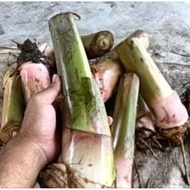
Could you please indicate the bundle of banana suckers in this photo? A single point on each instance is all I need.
(93, 71)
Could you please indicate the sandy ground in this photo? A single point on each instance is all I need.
(168, 26)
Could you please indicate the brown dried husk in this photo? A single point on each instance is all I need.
(59, 175)
(9, 131)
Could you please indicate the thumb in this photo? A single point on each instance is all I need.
(49, 94)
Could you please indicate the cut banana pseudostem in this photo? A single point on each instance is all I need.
(86, 158)
(13, 106)
(97, 44)
(162, 101)
(123, 128)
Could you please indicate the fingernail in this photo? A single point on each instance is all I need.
(54, 78)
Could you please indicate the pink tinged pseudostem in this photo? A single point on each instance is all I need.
(107, 74)
(124, 175)
(35, 77)
(169, 112)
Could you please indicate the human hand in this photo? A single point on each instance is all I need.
(39, 123)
